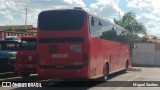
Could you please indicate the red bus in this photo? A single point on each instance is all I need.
(73, 43)
(27, 57)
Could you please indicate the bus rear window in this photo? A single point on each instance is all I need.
(61, 20)
(28, 45)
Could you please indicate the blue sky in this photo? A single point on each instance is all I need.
(12, 12)
(88, 2)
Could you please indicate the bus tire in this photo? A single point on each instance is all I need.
(104, 78)
(25, 75)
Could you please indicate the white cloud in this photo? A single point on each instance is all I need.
(154, 31)
(138, 4)
(76, 2)
(17, 7)
(2, 5)
(146, 17)
(106, 8)
(7, 15)
(148, 13)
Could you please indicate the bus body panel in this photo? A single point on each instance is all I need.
(63, 57)
(23, 63)
(26, 59)
(63, 73)
(106, 51)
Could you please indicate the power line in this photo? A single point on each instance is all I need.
(18, 12)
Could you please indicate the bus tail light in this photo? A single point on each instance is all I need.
(85, 59)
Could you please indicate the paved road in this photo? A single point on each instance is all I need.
(146, 74)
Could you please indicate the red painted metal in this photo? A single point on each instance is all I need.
(23, 62)
(99, 51)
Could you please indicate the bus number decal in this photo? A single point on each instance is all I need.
(59, 55)
(76, 48)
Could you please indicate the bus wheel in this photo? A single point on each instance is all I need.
(104, 78)
(25, 75)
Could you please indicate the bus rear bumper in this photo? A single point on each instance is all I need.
(63, 73)
(31, 68)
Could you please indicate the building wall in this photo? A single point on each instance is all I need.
(157, 57)
(4, 34)
(146, 54)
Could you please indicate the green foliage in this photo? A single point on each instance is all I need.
(23, 31)
(136, 38)
(10, 30)
(19, 30)
(144, 39)
(109, 35)
(129, 22)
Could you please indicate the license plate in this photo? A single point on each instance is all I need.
(29, 65)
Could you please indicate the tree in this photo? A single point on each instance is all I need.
(144, 39)
(129, 22)
(10, 30)
(136, 38)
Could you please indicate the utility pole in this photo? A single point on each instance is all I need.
(26, 19)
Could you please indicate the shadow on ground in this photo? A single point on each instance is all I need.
(78, 85)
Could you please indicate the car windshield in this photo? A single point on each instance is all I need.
(28, 44)
(7, 45)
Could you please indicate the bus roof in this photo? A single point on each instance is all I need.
(81, 9)
(2, 41)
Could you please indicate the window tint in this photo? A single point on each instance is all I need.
(105, 30)
(96, 28)
(28, 45)
(5, 45)
(61, 20)
(109, 35)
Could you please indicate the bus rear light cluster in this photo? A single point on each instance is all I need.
(85, 59)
